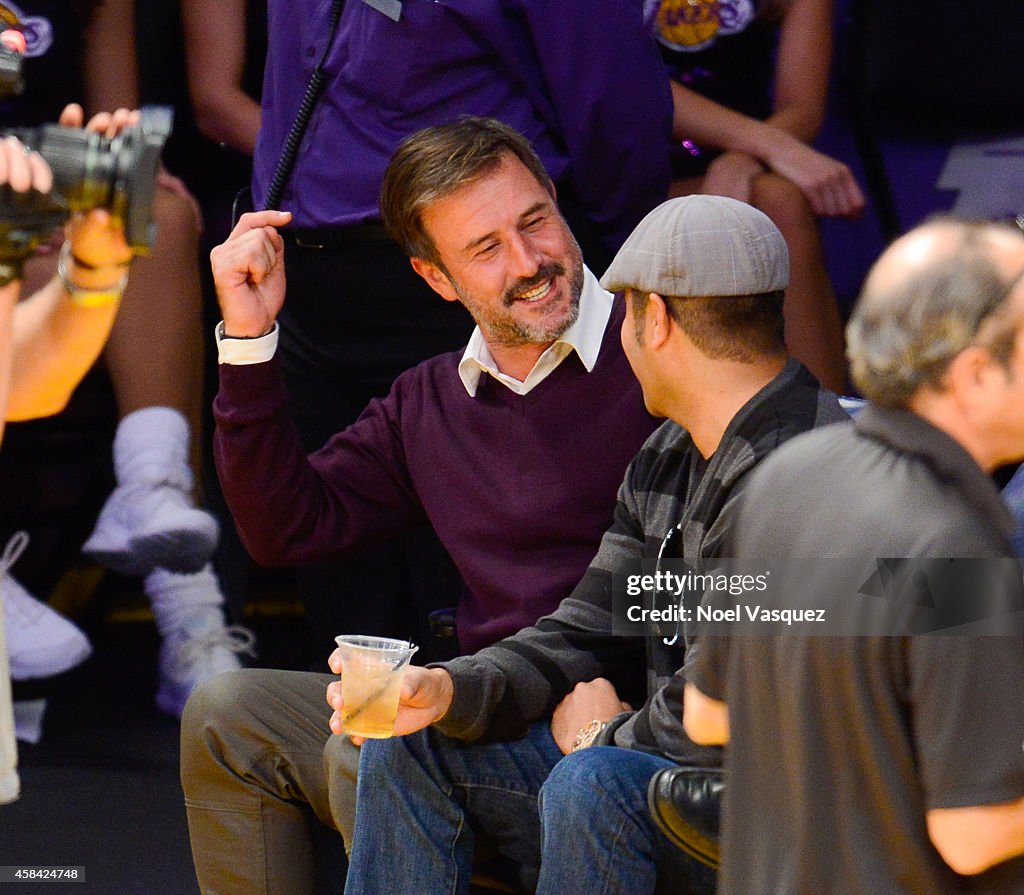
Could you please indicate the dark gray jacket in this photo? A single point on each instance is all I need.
(502, 689)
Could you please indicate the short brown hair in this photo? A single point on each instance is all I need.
(744, 328)
(437, 161)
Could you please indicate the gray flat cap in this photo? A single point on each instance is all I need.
(702, 246)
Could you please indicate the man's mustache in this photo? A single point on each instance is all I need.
(546, 272)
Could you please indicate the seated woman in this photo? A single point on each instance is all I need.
(150, 526)
(740, 138)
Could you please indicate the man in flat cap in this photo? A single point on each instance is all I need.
(480, 737)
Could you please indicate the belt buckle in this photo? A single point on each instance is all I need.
(304, 244)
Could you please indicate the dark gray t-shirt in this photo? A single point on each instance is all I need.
(841, 745)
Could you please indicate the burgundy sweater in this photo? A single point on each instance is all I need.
(519, 488)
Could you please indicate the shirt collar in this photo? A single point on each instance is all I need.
(911, 434)
(584, 337)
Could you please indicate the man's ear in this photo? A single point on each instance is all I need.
(971, 372)
(658, 320)
(436, 278)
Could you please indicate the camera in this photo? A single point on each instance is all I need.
(92, 171)
(89, 170)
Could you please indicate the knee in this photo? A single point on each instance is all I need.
(783, 202)
(602, 783)
(212, 700)
(578, 780)
(175, 252)
(174, 216)
(208, 714)
(406, 761)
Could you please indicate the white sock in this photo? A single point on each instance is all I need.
(151, 447)
(185, 602)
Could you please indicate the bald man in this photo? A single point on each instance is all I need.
(887, 764)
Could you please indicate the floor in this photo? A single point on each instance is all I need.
(101, 790)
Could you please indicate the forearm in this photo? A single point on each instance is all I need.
(504, 688)
(55, 341)
(797, 121)
(215, 58)
(804, 58)
(8, 298)
(708, 123)
(111, 76)
(228, 116)
(975, 838)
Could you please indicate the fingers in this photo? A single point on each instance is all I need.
(254, 247)
(72, 116)
(833, 190)
(256, 219)
(107, 124)
(110, 124)
(840, 195)
(21, 169)
(334, 700)
(42, 176)
(854, 197)
(253, 253)
(334, 661)
(13, 165)
(828, 185)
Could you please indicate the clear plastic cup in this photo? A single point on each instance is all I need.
(371, 682)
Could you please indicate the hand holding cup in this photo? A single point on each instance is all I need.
(377, 702)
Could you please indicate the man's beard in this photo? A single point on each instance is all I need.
(508, 332)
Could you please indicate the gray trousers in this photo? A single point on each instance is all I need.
(257, 758)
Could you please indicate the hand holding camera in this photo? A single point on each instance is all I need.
(102, 177)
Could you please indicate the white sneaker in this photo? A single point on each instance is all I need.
(40, 641)
(142, 527)
(205, 648)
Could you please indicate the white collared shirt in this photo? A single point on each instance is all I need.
(584, 337)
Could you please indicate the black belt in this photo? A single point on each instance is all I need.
(336, 237)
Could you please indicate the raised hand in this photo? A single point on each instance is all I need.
(248, 271)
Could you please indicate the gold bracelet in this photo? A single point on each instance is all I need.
(85, 296)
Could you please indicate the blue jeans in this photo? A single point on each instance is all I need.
(598, 836)
(424, 799)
